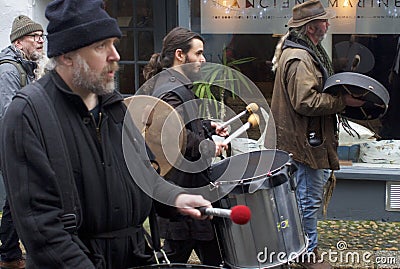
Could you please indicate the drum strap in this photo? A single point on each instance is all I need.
(173, 81)
(191, 110)
(154, 239)
(53, 140)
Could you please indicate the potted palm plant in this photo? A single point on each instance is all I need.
(217, 79)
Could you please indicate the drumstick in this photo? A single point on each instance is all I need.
(252, 121)
(251, 108)
(239, 214)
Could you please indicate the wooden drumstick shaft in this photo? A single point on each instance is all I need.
(251, 108)
(253, 121)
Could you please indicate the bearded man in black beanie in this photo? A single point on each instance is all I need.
(75, 202)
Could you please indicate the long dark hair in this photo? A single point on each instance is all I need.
(177, 38)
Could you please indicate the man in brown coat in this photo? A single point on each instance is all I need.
(305, 117)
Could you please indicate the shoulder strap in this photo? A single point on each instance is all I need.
(191, 109)
(53, 141)
(184, 94)
(21, 70)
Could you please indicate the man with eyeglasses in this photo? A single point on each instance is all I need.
(18, 67)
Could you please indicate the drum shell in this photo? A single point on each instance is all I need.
(275, 225)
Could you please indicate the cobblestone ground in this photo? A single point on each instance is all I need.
(357, 244)
(361, 244)
(365, 235)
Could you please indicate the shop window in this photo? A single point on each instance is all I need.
(135, 18)
(374, 55)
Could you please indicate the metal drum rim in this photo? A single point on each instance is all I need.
(259, 177)
(331, 81)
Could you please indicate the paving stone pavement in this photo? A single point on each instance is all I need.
(356, 244)
(360, 244)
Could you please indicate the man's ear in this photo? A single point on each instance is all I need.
(66, 59)
(179, 55)
(18, 44)
(310, 28)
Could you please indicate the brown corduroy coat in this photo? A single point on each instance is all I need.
(299, 107)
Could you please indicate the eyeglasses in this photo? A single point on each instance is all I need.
(37, 37)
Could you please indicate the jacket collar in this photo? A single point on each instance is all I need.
(180, 77)
(105, 100)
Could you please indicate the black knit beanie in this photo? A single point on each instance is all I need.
(75, 24)
(23, 25)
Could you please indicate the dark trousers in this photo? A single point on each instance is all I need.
(178, 251)
(9, 249)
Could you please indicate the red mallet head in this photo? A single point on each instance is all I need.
(240, 214)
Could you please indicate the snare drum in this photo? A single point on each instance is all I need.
(274, 235)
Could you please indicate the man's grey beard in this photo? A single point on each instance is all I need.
(41, 68)
(36, 56)
(323, 37)
(87, 79)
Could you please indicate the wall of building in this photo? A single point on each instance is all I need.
(12, 8)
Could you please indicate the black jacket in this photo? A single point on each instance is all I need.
(175, 89)
(110, 200)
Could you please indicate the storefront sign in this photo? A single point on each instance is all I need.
(271, 16)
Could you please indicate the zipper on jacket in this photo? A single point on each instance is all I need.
(97, 126)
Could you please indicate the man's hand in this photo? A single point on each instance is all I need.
(218, 130)
(219, 148)
(352, 101)
(187, 204)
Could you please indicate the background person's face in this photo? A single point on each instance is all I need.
(32, 46)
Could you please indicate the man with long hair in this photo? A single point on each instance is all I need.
(305, 117)
(173, 72)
